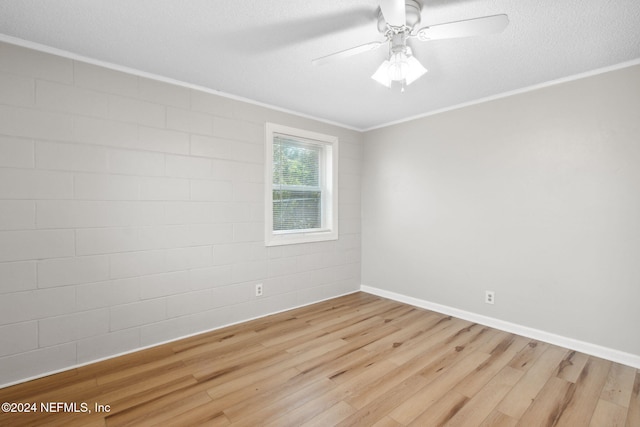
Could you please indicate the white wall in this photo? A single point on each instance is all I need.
(535, 196)
(131, 213)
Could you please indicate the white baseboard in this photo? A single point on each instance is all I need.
(570, 343)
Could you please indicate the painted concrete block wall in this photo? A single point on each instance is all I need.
(131, 213)
(534, 196)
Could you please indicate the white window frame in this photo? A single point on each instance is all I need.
(329, 185)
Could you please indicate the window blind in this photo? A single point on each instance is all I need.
(297, 191)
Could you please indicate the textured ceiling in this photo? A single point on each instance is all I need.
(262, 50)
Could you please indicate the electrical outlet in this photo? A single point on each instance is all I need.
(489, 297)
(259, 290)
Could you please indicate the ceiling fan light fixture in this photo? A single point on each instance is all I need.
(382, 74)
(415, 70)
(398, 66)
(401, 67)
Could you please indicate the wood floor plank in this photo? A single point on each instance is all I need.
(444, 328)
(384, 314)
(633, 415)
(406, 330)
(347, 361)
(338, 364)
(572, 365)
(276, 405)
(85, 423)
(520, 397)
(608, 414)
(549, 404)
(208, 356)
(349, 317)
(619, 385)
(498, 419)
(210, 341)
(409, 317)
(528, 355)
(200, 415)
(441, 411)
(162, 390)
(381, 406)
(372, 408)
(496, 340)
(279, 360)
(331, 416)
(126, 361)
(258, 392)
(338, 313)
(478, 407)
(335, 395)
(423, 399)
(429, 336)
(145, 371)
(158, 411)
(246, 386)
(452, 350)
(499, 358)
(587, 392)
(357, 360)
(429, 359)
(387, 422)
(234, 365)
(124, 391)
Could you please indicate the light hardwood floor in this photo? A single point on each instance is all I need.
(358, 360)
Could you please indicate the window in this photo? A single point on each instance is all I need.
(301, 186)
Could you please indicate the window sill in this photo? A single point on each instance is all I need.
(293, 238)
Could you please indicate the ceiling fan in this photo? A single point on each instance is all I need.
(397, 20)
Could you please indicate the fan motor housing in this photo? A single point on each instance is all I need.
(412, 10)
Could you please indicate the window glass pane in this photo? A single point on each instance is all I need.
(295, 163)
(296, 210)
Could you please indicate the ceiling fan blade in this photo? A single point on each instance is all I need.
(347, 53)
(467, 28)
(394, 12)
